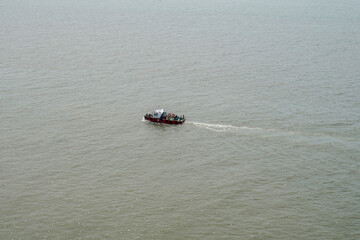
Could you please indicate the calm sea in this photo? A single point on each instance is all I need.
(270, 148)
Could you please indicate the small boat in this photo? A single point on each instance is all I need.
(160, 116)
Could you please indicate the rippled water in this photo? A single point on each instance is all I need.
(270, 148)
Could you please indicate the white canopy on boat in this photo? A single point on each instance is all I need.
(159, 112)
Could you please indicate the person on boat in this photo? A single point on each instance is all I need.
(162, 116)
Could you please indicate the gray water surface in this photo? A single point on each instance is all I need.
(270, 148)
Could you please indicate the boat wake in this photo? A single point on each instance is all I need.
(270, 132)
(228, 128)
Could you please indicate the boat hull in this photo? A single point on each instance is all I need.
(165, 121)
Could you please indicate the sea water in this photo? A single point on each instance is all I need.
(270, 148)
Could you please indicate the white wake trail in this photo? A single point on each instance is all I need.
(270, 132)
(227, 128)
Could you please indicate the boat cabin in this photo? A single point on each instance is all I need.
(158, 113)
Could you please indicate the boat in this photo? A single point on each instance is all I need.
(161, 116)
